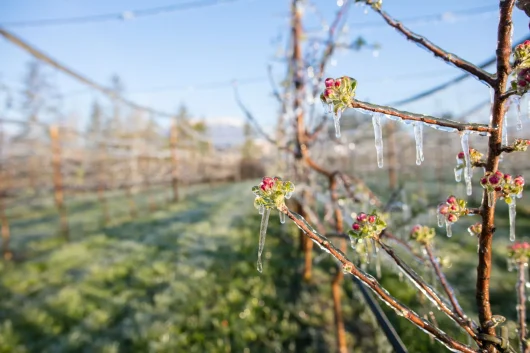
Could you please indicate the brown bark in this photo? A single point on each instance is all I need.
(58, 181)
(494, 144)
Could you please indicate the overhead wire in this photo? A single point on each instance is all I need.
(120, 16)
(87, 81)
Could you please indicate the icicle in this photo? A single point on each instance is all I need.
(517, 101)
(282, 217)
(458, 169)
(468, 172)
(336, 120)
(448, 228)
(440, 219)
(491, 198)
(377, 266)
(262, 235)
(418, 136)
(492, 96)
(261, 209)
(353, 242)
(378, 133)
(511, 208)
(505, 130)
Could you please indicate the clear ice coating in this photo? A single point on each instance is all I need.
(448, 228)
(288, 195)
(378, 134)
(505, 129)
(440, 218)
(468, 171)
(336, 121)
(511, 208)
(262, 235)
(492, 96)
(418, 136)
(282, 217)
(458, 169)
(491, 198)
(261, 209)
(517, 101)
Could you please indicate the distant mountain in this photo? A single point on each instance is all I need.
(225, 132)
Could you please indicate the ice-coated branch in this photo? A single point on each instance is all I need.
(357, 104)
(349, 267)
(503, 51)
(443, 281)
(428, 291)
(474, 70)
(521, 307)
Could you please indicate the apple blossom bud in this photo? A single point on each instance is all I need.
(361, 217)
(356, 226)
(329, 82)
(371, 219)
(452, 218)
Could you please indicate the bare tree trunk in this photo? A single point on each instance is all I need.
(58, 181)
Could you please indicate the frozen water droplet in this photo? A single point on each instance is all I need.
(288, 195)
(505, 129)
(418, 136)
(491, 198)
(448, 228)
(262, 235)
(378, 134)
(468, 171)
(336, 120)
(517, 101)
(282, 217)
(353, 242)
(441, 219)
(511, 208)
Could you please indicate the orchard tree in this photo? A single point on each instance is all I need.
(372, 230)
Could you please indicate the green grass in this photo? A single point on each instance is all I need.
(183, 279)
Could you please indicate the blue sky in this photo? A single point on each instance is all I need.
(234, 41)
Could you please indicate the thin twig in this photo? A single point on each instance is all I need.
(446, 286)
(427, 290)
(420, 117)
(436, 50)
(375, 286)
(521, 307)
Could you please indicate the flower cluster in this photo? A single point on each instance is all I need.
(367, 225)
(452, 209)
(521, 54)
(505, 183)
(422, 234)
(475, 229)
(272, 192)
(474, 155)
(521, 145)
(339, 93)
(519, 252)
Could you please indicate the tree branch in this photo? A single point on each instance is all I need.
(436, 50)
(374, 285)
(446, 286)
(521, 307)
(420, 117)
(494, 144)
(427, 290)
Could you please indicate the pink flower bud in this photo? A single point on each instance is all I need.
(338, 82)
(452, 218)
(521, 83)
(443, 209)
(267, 183)
(508, 178)
(371, 219)
(499, 174)
(519, 180)
(451, 200)
(498, 188)
(416, 228)
(329, 82)
(328, 92)
(494, 180)
(454, 208)
(483, 181)
(361, 217)
(356, 226)
(461, 155)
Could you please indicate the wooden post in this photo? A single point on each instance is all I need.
(101, 183)
(58, 181)
(174, 161)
